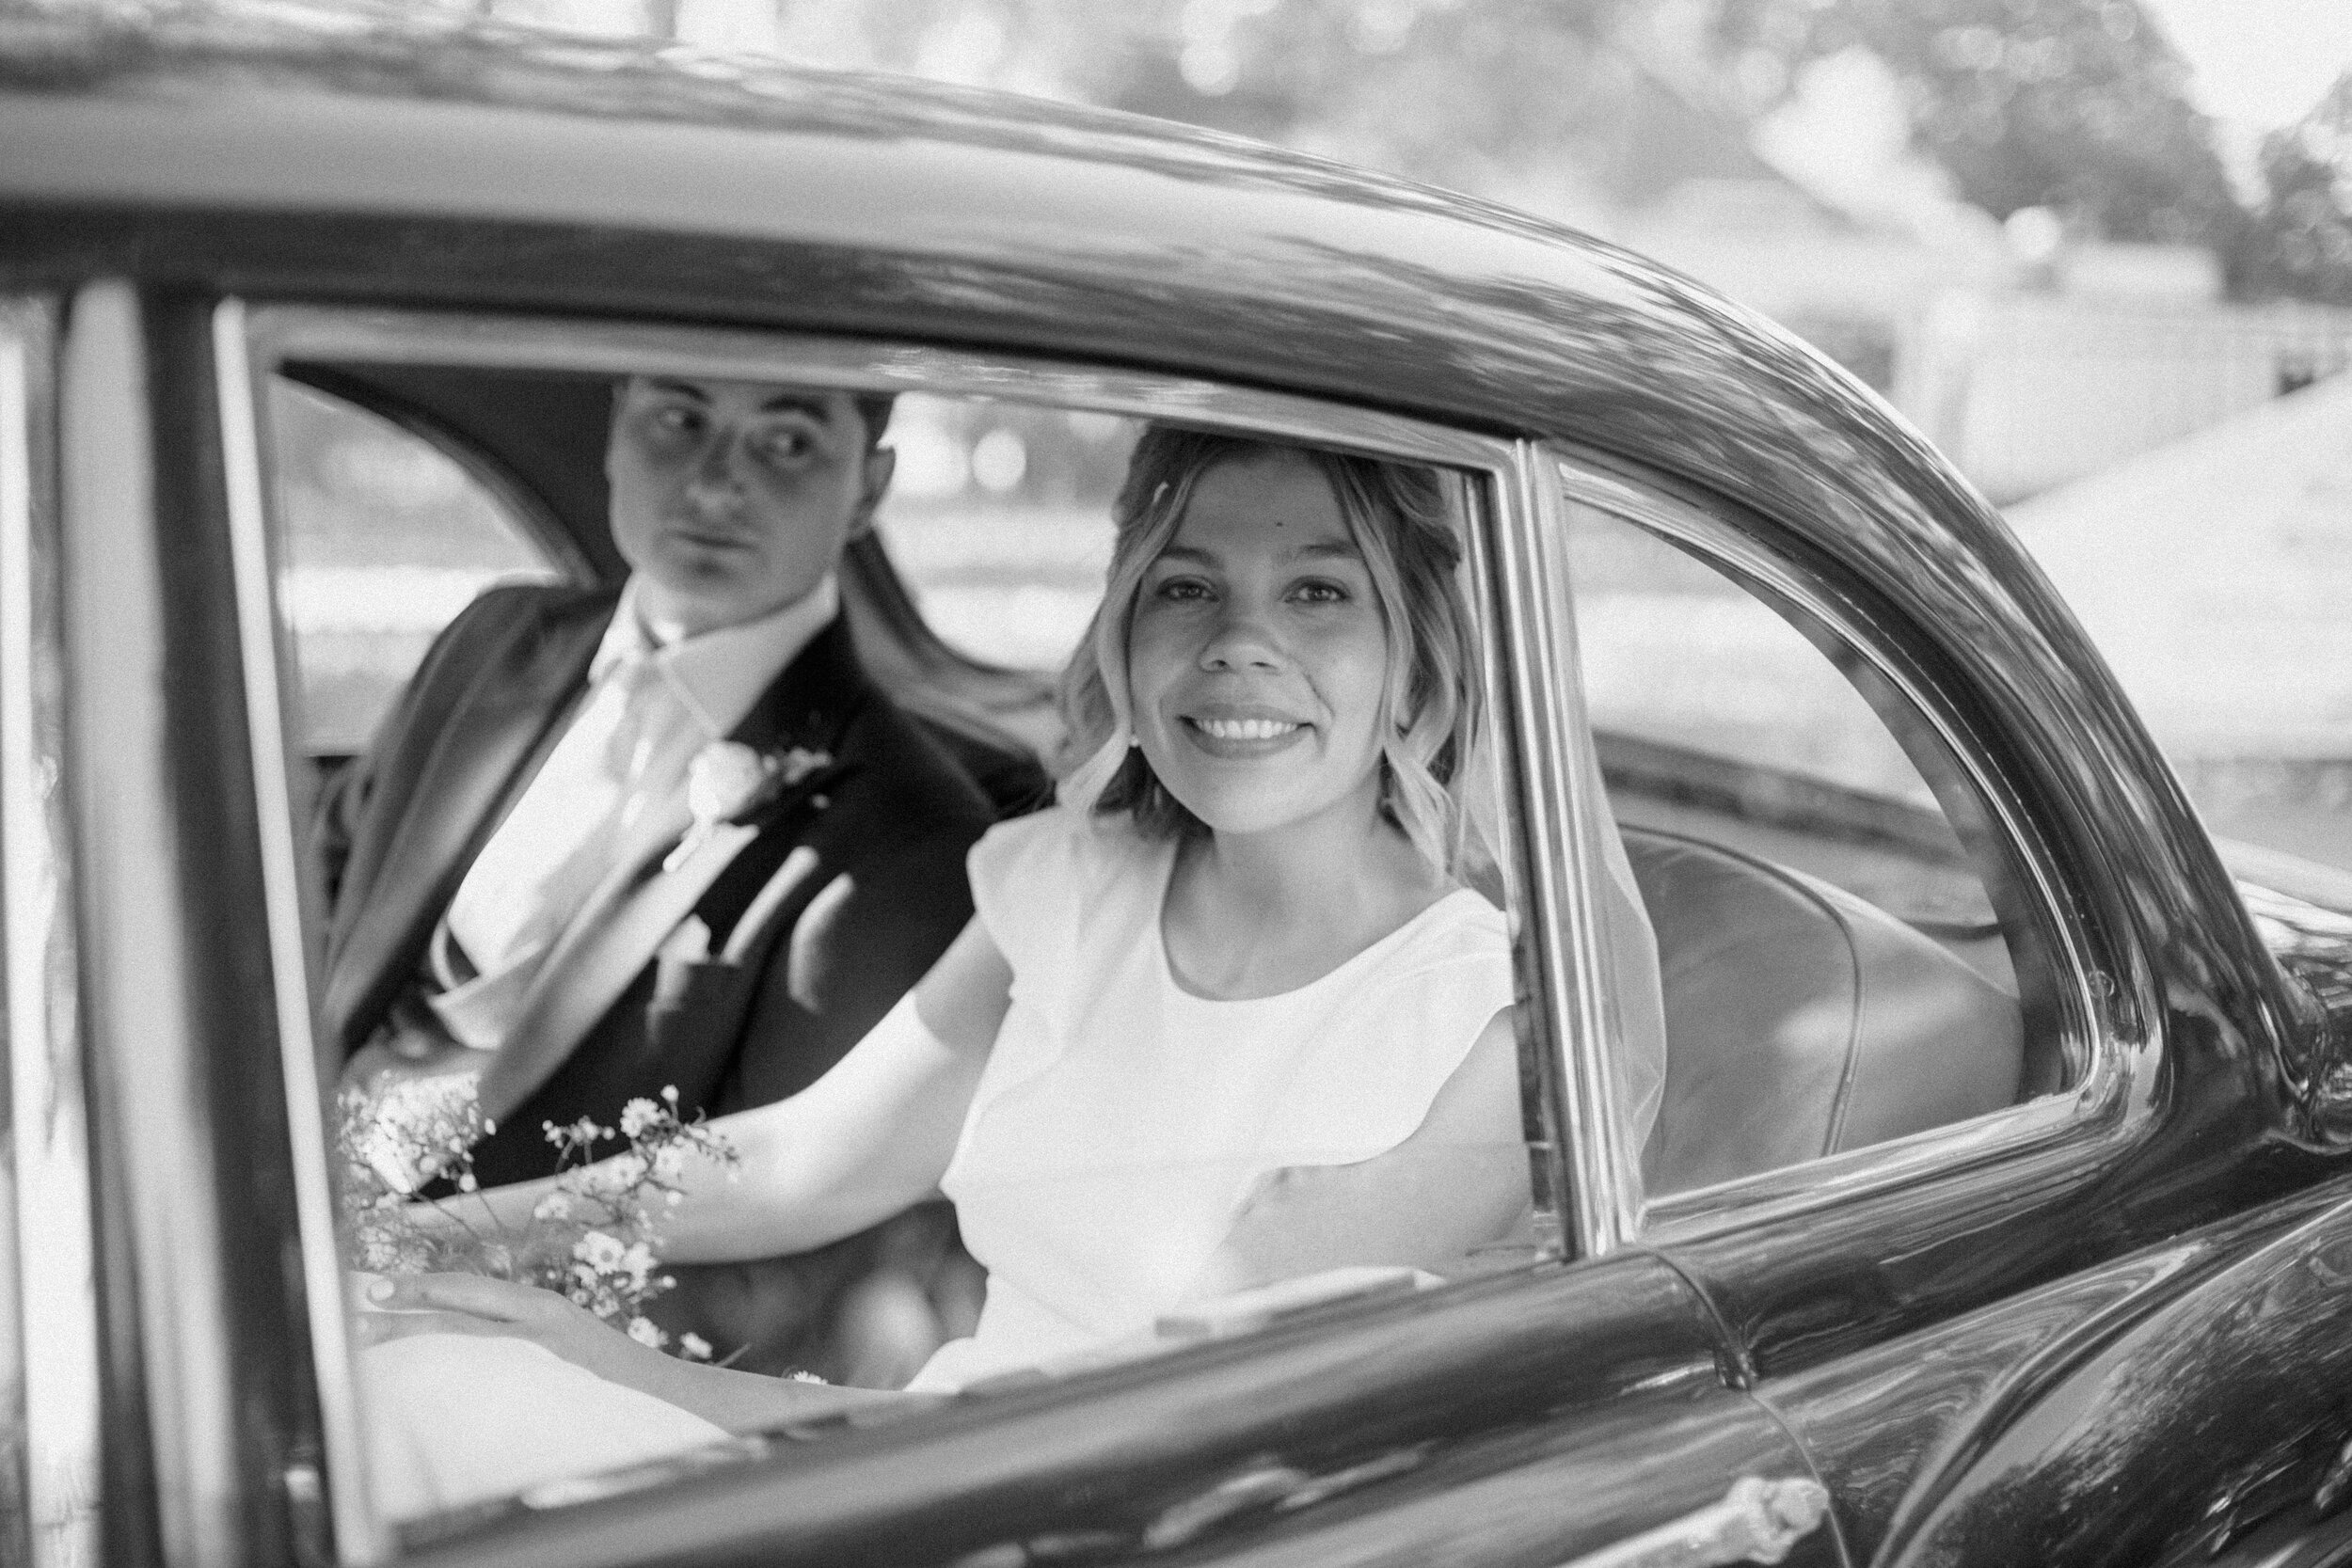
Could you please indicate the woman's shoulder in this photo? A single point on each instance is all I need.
(1057, 842)
(1460, 930)
(1453, 958)
(1038, 880)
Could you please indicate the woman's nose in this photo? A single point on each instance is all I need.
(1242, 641)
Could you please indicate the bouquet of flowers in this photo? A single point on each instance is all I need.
(592, 1239)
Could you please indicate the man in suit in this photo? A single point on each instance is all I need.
(612, 842)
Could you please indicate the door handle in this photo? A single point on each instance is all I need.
(1757, 1521)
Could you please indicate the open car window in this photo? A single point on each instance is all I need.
(1845, 953)
(985, 565)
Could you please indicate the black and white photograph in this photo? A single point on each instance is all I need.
(1035, 784)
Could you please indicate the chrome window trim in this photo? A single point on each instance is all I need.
(152, 1110)
(2115, 1098)
(358, 1535)
(1560, 818)
(613, 348)
(57, 1302)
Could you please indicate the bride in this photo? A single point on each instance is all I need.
(1226, 1014)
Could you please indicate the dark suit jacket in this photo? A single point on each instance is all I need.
(867, 852)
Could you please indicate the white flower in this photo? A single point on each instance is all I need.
(695, 1346)
(721, 780)
(599, 1251)
(637, 1263)
(644, 1333)
(637, 1116)
(669, 1163)
(555, 1206)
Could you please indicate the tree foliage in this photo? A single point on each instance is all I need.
(2078, 106)
(2301, 241)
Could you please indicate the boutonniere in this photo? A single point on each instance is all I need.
(727, 781)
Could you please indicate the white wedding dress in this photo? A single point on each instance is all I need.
(451, 1419)
(1121, 1120)
(1118, 1127)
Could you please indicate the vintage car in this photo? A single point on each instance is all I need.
(1998, 1209)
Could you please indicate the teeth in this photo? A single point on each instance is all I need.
(1244, 729)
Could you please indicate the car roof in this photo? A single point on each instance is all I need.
(977, 216)
(345, 151)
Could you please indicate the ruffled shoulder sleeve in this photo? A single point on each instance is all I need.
(1034, 879)
(1379, 1061)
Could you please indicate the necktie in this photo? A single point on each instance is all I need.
(625, 752)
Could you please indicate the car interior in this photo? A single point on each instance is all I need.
(1831, 970)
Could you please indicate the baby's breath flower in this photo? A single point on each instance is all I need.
(638, 1116)
(599, 1251)
(641, 1329)
(669, 1092)
(694, 1347)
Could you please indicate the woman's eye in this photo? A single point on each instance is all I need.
(1319, 593)
(1181, 589)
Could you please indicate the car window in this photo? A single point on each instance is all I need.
(1834, 967)
(712, 949)
(998, 521)
(385, 537)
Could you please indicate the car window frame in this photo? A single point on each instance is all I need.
(53, 1365)
(1546, 820)
(2112, 1103)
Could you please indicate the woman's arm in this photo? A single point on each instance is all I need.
(1459, 1180)
(870, 1137)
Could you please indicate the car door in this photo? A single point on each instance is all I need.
(2085, 1324)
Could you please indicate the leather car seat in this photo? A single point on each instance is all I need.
(1802, 1021)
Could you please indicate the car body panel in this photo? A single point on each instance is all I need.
(1307, 1427)
(1918, 1435)
(1921, 1345)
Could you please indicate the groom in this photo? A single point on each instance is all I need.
(610, 842)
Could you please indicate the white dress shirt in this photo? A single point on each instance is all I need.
(652, 702)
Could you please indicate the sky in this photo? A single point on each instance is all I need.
(2259, 64)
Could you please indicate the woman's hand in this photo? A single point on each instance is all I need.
(402, 1305)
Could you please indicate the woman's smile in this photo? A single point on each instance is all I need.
(1240, 739)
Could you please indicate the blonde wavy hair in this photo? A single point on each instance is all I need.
(1430, 712)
